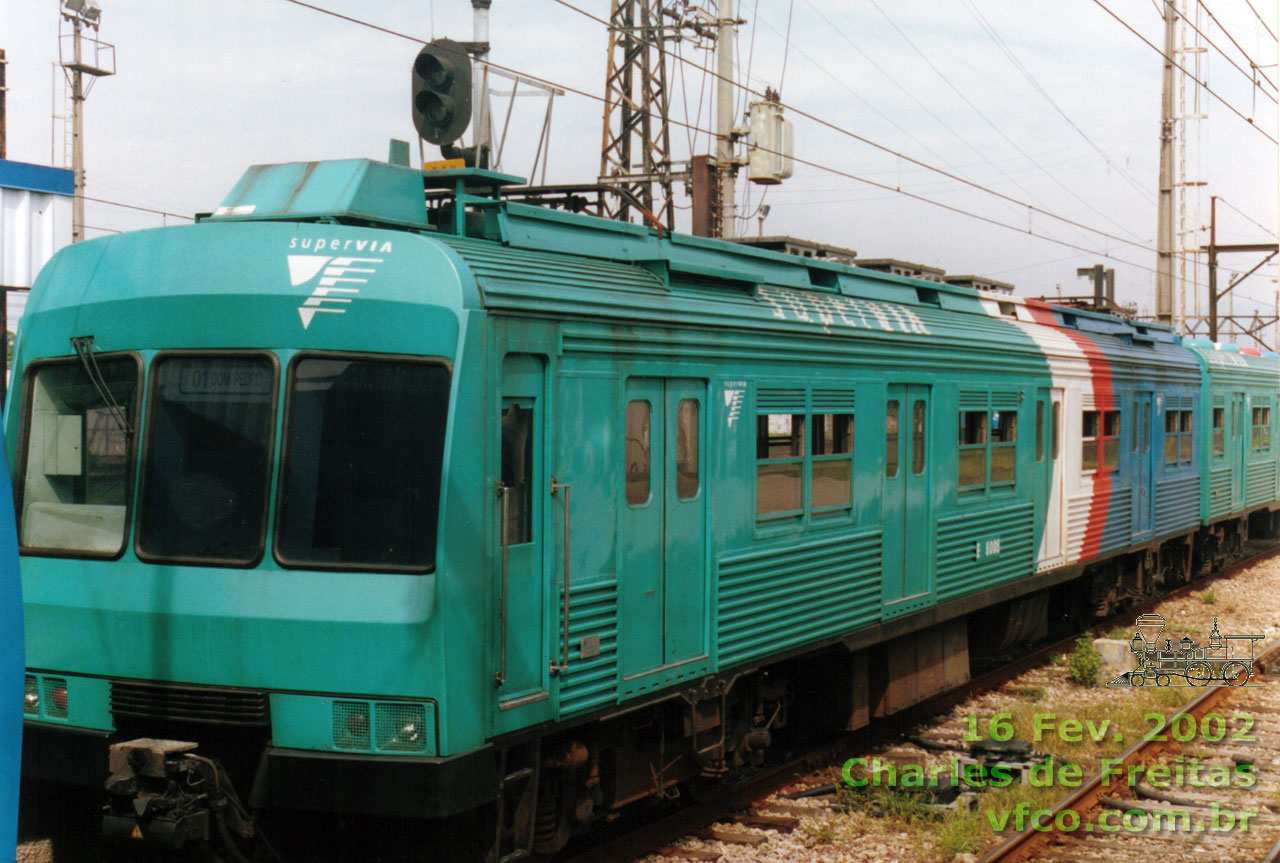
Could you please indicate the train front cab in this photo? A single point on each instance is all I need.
(220, 543)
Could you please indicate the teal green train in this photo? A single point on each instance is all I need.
(370, 494)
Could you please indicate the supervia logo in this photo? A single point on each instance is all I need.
(338, 281)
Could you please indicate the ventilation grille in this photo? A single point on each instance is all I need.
(832, 401)
(780, 401)
(189, 703)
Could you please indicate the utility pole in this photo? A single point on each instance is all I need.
(3, 90)
(725, 168)
(1164, 220)
(82, 14)
(480, 120)
(1213, 249)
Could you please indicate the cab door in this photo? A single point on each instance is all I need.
(907, 565)
(662, 583)
(521, 664)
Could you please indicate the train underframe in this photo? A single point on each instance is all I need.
(179, 787)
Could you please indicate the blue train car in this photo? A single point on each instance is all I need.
(372, 501)
(11, 676)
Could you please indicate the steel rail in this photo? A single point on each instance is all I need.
(1034, 838)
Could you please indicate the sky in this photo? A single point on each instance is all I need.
(1050, 112)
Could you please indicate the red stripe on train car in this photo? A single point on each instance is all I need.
(1103, 392)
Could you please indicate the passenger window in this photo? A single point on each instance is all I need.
(1039, 431)
(973, 450)
(1099, 449)
(917, 436)
(1219, 431)
(517, 473)
(779, 465)
(1261, 429)
(1146, 427)
(687, 455)
(1055, 449)
(1177, 437)
(1004, 446)
(832, 483)
(637, 452)
(891, 438)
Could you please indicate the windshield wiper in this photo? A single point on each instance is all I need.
(84, 350)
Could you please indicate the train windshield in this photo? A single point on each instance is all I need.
(208, 458)
(77, 457)
(364, 443)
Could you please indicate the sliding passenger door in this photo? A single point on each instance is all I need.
(1143, 464)
(662, 580)
(907, 565)
(1049, 458)
(1238, 450)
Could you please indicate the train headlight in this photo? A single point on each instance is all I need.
(350, 725)
(400, 727)
(31, 697)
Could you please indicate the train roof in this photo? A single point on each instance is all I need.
(533, 259)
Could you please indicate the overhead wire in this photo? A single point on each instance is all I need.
(1212, 92)
(1269, 231)
(1025, 155)
(136, 207)
(1261, 20)
(1017, 64)
(1027, 231)
(799, 112)
(1253, 79)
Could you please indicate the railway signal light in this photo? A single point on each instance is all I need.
(442, 91)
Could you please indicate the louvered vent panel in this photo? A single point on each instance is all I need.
(780, 401)
(832, 401)
(189, 703)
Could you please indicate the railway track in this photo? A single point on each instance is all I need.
(745, 800)
(1123, 814)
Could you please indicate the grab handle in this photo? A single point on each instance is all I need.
(500, 676)
(564, 612)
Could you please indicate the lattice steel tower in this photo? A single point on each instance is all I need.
(635, 154)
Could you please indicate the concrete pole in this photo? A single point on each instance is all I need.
(1164, 219)
(2, 109)
(1213, 268)
(724, 118)
(77, 137)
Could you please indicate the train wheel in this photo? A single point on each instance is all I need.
(1199, 673)
(1137, 679)
(1236, 673)
(1162, 680)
